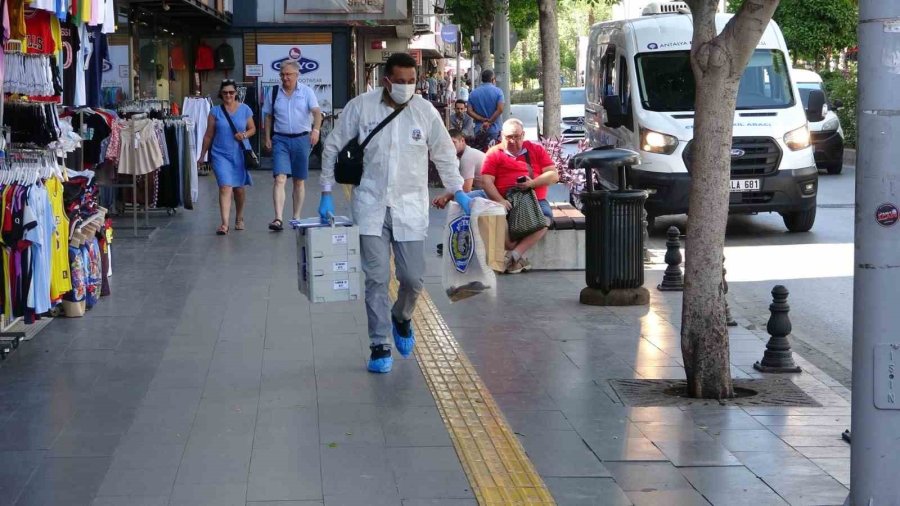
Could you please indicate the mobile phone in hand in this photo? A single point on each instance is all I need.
(521, 179)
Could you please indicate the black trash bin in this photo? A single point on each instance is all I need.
(614, 223)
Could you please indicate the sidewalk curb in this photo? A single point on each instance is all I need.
(850, 157)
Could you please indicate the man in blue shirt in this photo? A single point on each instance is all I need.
(290, 136)
(486, 104)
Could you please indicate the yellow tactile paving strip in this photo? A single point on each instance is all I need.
(498, 469)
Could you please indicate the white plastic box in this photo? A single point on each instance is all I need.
(328, 261)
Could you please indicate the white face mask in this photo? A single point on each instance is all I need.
(402, 93)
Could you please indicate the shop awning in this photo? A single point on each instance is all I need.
(187, 13)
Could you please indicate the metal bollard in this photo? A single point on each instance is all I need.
(673, 279)
(729, 320)
(778, 356)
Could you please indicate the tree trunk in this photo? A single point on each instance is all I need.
(523, 44)
(483, 59)
(550, 63)
(718, 63)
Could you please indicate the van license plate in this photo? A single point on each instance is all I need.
(745, 185)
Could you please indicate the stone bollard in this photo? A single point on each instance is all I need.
(673, 279)
(729, 320)
(778, 356)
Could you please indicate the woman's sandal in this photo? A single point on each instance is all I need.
(222, 230)
(239, 224)
(276, 225)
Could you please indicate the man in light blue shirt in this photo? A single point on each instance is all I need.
(290, 136)
(486, 105)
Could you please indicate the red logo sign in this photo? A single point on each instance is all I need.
(887, 214)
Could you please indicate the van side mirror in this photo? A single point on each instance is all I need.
(615, 111)
(837, 104)
(814, 106)
(540, 104)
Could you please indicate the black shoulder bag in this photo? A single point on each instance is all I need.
(525, 217)
(251, 161)
(348, 168)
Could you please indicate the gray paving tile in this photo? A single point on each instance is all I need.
(637, 476)
(586, 492)
(414, 426)
(536, 421)
(732, 486)
(65, 481)
(16, 469)
(73, 444)
(667, 498)
(137, 482)
(418, 484)
(726, 419)
(788, 463)
(138, 453)
(614, 448)
(658, 432)
(286, 427)
(219, 459)
(838, 468)
(750, 440)
(423, 458)
(808, 490)
(362, 497)
(564, 454)
(439, 502)
(697, 453)
(357, 471)
(285, 503)
(284, 474)
(130, 501)
(350, 424)
(209, 494)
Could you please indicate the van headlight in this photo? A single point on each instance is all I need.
(831, 125)
(655, 142)
(798, 139)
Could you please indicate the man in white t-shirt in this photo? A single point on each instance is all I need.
(470, 160)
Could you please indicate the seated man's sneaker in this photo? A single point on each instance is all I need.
(404, 338)
(380, 361)
(525, 263)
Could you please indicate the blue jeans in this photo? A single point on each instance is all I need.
(290, 155)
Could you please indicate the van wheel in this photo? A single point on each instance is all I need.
(834, 168)
(801, 221)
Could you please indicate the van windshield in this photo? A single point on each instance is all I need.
(572, 96)
(667, 81)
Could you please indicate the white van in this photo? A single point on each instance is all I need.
(640, 95)
(827, 135)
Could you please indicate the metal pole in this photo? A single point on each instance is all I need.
(458, 51)
(875, 452)
(501, 52)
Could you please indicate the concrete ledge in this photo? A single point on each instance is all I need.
(559, 250)
(849, 156)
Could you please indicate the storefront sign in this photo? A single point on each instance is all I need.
(116, 71)
(315, 68)
(333, 6)
(253, 70)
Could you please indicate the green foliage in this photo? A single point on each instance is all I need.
(843, 86)
(527, 96)
(471, 14)
(814, 28)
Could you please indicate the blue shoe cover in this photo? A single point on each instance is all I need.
(380, 365)
(404, 345)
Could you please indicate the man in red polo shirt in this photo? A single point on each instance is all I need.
(503, 165)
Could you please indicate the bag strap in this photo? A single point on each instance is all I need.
(381, 125)
(530, 168)
(274, 96)
(233, 128)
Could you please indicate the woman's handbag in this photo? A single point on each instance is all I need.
(525, 217)
(348, 168)
(251, 161)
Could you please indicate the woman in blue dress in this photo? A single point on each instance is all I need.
(226, 149)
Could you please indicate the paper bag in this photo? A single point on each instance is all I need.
(493, 234)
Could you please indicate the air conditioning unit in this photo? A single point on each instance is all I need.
(423, 12)
(657, 8)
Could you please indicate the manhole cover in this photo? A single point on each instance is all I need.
(656, 392)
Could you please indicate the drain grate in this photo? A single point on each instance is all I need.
(770, 392)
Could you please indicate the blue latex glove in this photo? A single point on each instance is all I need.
(464, 201)
(326, 207)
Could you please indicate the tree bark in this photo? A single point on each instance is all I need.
(550, 61)
(483, 58)
(718, 62)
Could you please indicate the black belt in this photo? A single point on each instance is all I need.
(291, 136)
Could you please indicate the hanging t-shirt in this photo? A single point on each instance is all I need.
(60, 279)
(17, 30)
(109, 19)
(205, 58)
(224, 57)
(84, 11)
(99, 131)
(177, 61)
(39, 35)
(44, 5)
(71, 44)
(98, 12)
(99, 54)
(38, 231)
(81, 59)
